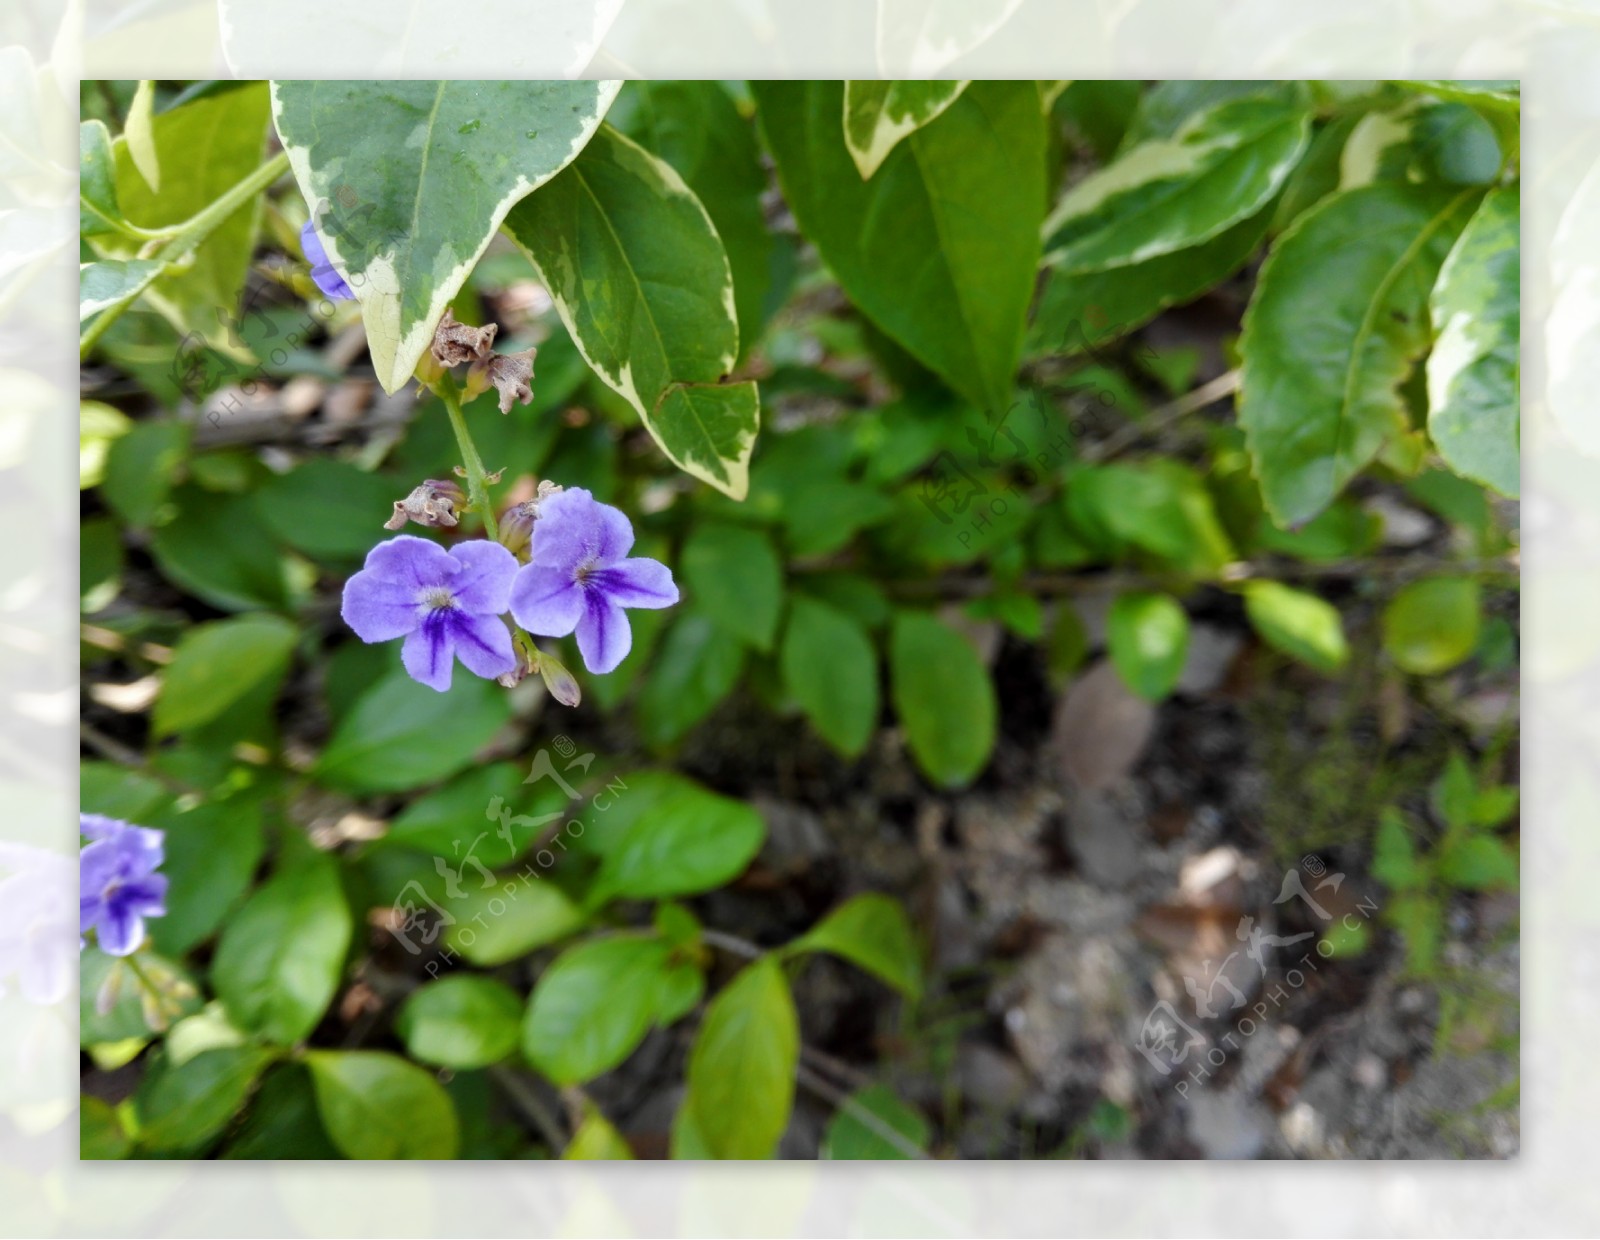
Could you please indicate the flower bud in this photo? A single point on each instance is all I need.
(516, 526)
(563, 685)
(433, 504)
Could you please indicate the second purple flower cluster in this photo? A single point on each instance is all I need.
(448, 604)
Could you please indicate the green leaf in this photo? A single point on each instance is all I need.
(742, 1066)
(216, 664)
(872, 932)
(733, 575)
(1394, 857)
(140, 468)
(459, 813)
(596, 1139)
(139, 134)
(696, 127)
(1430, 626)
(831, 669)
(686, 841)
(109, 982)
(1421, 922)
(101, 1135)
(327, 508)
(376, 1105)
(461, 1022)
(1455, 793)
(99, 426)
(696, 667)
(944, 697)
(821, 515)
(857, 1129)
(1167, 195)
(1478, 863)
(1339, 316)
(941, 247)
(242, 572)
(878, 114)
(1474, 388)
(1162, 507)
(408, 181)
(282, 1122)
(1301, 625)
(281, 956)
(182, 1107)
(402, 735)
(113, 282)
(1079, 310)
(593, 1005)
(1148, 636)
(518, 916)
(98, 211)
(212, 851)
(641, 280)
(204, 147)
(1456, 144)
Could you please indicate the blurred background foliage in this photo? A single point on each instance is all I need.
(1199, 403)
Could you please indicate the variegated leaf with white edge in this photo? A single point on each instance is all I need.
(878, 114)
(408, 181)
(1165, 195)
(641, 280)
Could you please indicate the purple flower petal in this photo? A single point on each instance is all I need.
(407, 560)
(120, 930)
(327, 276)
(547, 602)
(638, 582)
(429, 651)
(483, 643)
(574, 530)
(381, 601)
(483, 584)
(604, 636)
(98, 826)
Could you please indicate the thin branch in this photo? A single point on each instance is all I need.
(526, 1099)
(1160, 418)
(731, 943)
(829, 1093)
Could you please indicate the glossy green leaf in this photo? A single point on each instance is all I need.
(230, 128)
(830, 668)
(453, 817)
(697, 128)
(409, 180)
(872, 932)
(403, 735)
(282, 1122)
(742, 1065)
(112, 282)
(688, 841)
(181, 1107)
(98, 210)
(280, 958)
(461, 1021)
(874, 1124)
(944, 698)
(212, 851)
(328, 508)
(941, 247)
(593, 1005)
(1148, 637)
(101, 1134)
(1456, 144)
(1474, 370)
(517, 916)
(376, 1105)
(1430, 626)
(695, 668)
(1167, 195)
(243, 572)
(596, 1139)
(1301, 625)
(1339, 316)
(733, 575)
(140, 468)
(878, 114)
(216, 664)
(1161, 506)
(642, 282)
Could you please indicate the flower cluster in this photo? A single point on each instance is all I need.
(449, 604)
(118, 886)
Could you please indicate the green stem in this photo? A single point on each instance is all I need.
(185, 238)
(477, 482)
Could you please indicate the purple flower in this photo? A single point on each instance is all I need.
(322, 269)
(446, 604)
(118, 886)
(579, 577)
